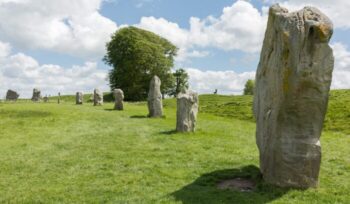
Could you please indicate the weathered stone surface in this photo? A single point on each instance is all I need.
(98, 98)
(292, 86)
(12, 95)
(79, 98)
(36, 95)
(119, 97)
(155, 105)
(187, 109)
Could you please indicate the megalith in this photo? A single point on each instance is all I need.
(98, 98)
(186, 113)
(36, 95)
(11, 95)
(118, 97)
(292, 87)
(79, 98)
(155, 106)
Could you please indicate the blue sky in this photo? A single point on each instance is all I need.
(58, 45)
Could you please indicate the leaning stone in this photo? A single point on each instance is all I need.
(155, 105)
(12, 95)
(119, 97)
(187, 109)
(36, 95)
(292, 87)
(79, 97)
(98, 98)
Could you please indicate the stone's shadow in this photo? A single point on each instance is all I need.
(109, 109)
(139, 116)
(205, 188)
(170, 132)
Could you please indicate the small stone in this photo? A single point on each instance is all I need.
(36, 95)
(12, 95)
(98, 98)
(155, 105)
(79, 98)
(187, 109)
(119, 97)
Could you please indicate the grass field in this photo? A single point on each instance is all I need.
(64, 153)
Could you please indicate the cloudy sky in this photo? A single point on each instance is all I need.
(58, 45)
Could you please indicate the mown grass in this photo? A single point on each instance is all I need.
(64, 153)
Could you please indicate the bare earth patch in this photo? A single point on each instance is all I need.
(237, 184)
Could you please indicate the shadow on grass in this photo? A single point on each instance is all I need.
(169, 132)
(205, 190)
(139, 116)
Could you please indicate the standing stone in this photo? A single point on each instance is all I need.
(12, 95)
(36, 95)
(187, 109)
(79, 98)
(155, 106)
(98, 98)
(292, 87)
(119, 97)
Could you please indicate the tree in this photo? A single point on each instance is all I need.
(249, 87)
(181, 82)
(136, 56)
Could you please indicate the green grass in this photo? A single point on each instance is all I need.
(52, 153)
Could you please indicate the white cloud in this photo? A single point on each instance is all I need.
(341, 74)
(240, 27)
(23, 73)
(227, 82)
(71, 27)
(337, 10)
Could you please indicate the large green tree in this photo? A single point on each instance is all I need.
(136, 56)
(249, 87)
(181, 82)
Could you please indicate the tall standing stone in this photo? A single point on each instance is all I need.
(292, 87)
(187, 109)
(11, 95)
(36, 95)
(155, 106)
(98, 98)
(119, 97)
(79, 98)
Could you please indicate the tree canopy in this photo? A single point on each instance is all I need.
(137, 55)
(249, 87)
(181, 82)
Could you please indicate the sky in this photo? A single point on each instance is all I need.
(58, 45)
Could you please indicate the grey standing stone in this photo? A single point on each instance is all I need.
(155, 106)
(98, 98)
(187, 109)
(36, 95)
(292, 87)
(119, 97)
(12, 95)
(79, 98)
